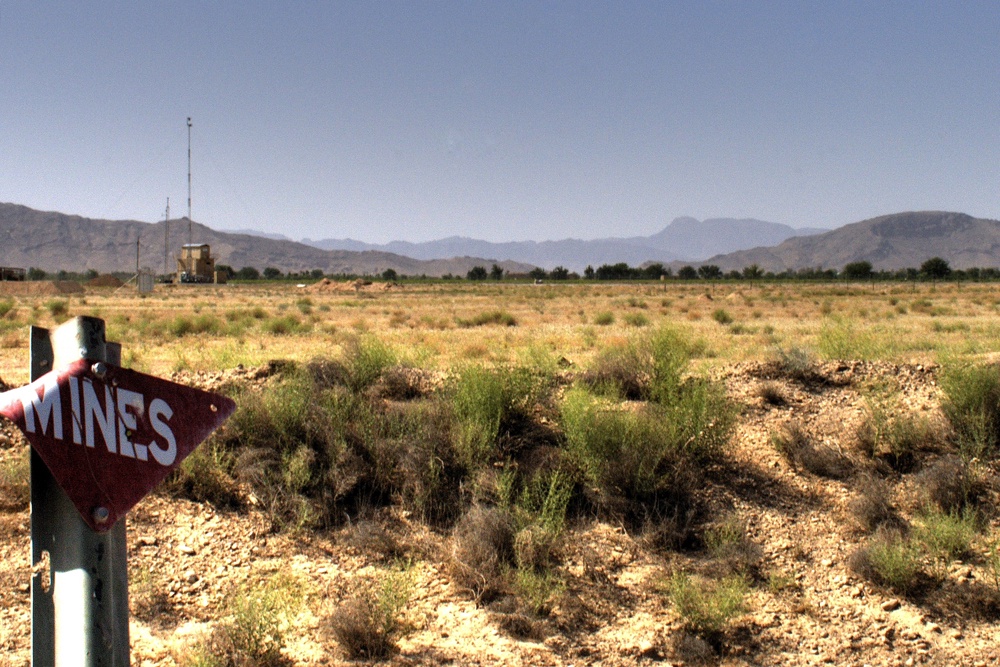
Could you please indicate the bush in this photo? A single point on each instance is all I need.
(950, 485)
(486, 402)
(15, 480)
(483, 552)
(253, 633)
(889, 559)
(722, 317)
(365, 360)
(873, 506)
(636, 319)
(972, 406)
(795, 362)
(890, 434)
(495, 317)
(945, 536)
(368, 626)
(641, 463)
(795, 445)
(604, 318)
(728, 543)
(706, 608)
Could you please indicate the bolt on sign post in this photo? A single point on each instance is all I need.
(101, 438)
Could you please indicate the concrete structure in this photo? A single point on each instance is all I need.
(196, 265)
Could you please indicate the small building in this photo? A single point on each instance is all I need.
(196, 265)
(11, 273)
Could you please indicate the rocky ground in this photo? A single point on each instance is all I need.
(806, 607)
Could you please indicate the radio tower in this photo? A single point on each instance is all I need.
(190, 239)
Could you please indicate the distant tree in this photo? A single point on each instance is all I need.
(588, 272)
(734, 275)
(496, 272)
(559, 273)
(36, 274)
(935, 268)
(90, 274)
(390, 275)
(225, 270)
(654, 271)
(974, 273)
(62, 274)
(619, 271)
(687, 273)
(248, 273)
(476, 273)
(316, 274)
(271, 273)
(447, 276)
(538, 273)
(709, 272)
(857, 270)
(752, 273)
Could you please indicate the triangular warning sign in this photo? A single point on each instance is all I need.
(108, 434)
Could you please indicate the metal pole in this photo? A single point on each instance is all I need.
(79, 603)
(190, 241)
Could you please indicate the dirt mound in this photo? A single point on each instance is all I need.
(359, 285)
(105, 280)
(40, 288)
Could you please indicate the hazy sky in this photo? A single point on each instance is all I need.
(499, 120)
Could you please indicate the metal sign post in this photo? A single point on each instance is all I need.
(79, 581)
(101, 438)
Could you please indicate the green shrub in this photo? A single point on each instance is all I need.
(6, 306)
(253, 631)
(493, 317)
(485, 402)
(604, 318)
(727, 542)
(365, 360)
(889, 559)
(722, 317)
(795, 362)
(945, 536)
(706, 608)
(840, 339)
(58, 309)
(636, 319)
(873, 506)
(972, 406)
(183, 325)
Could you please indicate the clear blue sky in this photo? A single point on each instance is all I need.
(499, 120)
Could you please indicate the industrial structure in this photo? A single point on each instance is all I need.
(196, 265)
(10, 273)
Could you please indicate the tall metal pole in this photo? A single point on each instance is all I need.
(190, 240)
(166, 239)
(79, 602)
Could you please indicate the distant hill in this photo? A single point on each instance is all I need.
(684, 239)
(54, 241)
(892, 241)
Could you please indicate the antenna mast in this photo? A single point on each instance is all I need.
(190, 241)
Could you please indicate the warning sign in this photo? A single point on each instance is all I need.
(108, 434)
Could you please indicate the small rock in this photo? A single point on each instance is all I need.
(147, 540)
(933, 627)
(890, 605)
(955, 634)
(24, 588)
(826, 562)
(186, 550)
(190, 576)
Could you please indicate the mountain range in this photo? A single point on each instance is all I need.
(54, 241)
(892, 241)
(684, 239)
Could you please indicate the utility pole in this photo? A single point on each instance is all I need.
(166, 239)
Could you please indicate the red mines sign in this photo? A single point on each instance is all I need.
(108, 434)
